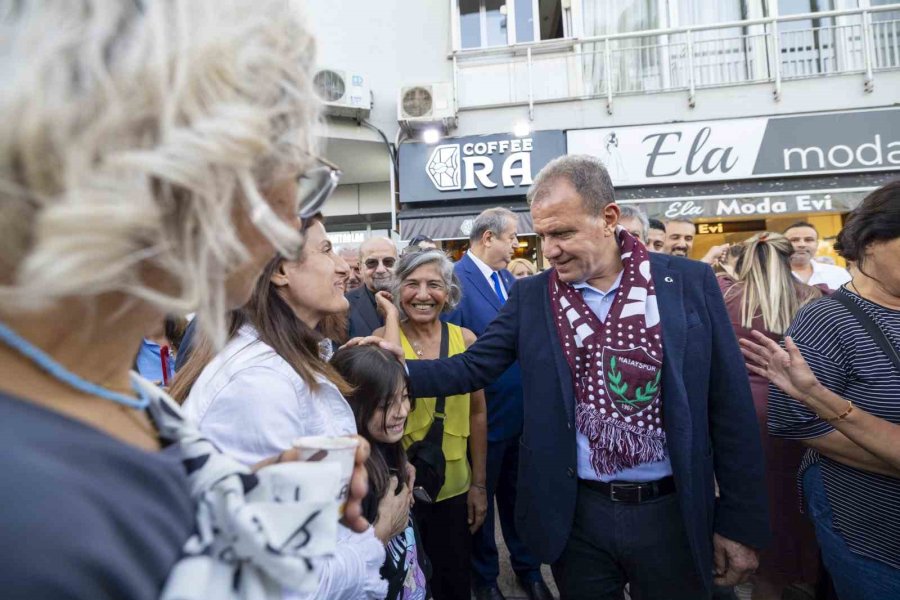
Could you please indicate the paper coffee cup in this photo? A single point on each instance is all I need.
(341, 450)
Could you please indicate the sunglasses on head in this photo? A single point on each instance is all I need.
(388, 262)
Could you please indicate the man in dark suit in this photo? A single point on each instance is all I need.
(485, 284)
(377, 258)
(636, 402)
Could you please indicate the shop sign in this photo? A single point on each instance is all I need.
(730, 227)
(347, 237)
(475, 167)
(771, 205)
(745, 148)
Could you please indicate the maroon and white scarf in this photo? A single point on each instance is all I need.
(616, 364)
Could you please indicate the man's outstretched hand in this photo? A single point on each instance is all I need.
(377, 341)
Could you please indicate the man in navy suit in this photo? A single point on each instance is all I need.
(619, 459)
(485, 284)
(377, 258)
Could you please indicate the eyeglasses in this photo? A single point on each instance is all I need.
(388, 262)
(315, 186)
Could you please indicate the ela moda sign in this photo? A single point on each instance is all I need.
(745, 148)
(774, 204)
(474, 167)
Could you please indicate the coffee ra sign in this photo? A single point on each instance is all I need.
(473, 167)
(745, 148)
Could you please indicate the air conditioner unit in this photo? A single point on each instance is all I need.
(344, 94)
(426, 105)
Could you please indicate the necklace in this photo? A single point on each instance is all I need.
(60, 373)
(417, 346)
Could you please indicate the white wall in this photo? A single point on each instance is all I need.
(355, 199)
(393, 42)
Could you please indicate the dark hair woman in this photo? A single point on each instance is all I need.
(764, 296)
(381, 403)
(272, 383)
(850, 484)
(425, 287)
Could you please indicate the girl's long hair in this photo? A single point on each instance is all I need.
(277, 326)
(768, 288)
(376, 377)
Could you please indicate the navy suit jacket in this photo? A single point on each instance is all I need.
(478, 307)
(708, 412)
(364, 317)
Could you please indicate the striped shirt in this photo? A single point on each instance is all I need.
(848, 361)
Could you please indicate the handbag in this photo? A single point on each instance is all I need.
(870, 326)
(427, 455)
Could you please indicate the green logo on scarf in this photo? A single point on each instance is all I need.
(642, 395)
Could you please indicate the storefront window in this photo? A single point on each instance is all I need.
(712, 232)
(528, 248)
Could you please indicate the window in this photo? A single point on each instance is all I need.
(487, 23)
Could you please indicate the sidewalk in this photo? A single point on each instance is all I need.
(508, 583)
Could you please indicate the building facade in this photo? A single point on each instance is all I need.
(743, 115)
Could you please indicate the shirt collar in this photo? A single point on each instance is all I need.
(584, 285)
(482, 266)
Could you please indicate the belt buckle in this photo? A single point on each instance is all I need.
(625, 486)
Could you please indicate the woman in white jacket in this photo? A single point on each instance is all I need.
(272, 384)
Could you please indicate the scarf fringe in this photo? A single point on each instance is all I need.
(618, 445)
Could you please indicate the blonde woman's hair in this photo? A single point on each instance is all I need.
(133, 132)
(768, 288)
(530, 266)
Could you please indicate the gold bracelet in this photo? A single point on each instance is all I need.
(842, 416)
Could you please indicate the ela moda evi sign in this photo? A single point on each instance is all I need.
(745, 148)
(475, 167)
(774, 204)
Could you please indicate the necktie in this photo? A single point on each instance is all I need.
(495, 277)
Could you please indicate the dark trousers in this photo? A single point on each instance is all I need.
(444, 528)
(502, 473)
(614, 543)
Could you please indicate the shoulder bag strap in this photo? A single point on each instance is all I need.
(435, 433)
(870, 326)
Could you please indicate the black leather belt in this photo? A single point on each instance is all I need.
(628, 491)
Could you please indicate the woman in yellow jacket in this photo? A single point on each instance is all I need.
(425, 288)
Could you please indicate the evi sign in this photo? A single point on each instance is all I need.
(745, 148)
(475, 167)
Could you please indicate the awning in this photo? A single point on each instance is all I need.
(454, 223)
(755, 198)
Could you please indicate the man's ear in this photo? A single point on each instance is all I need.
(279, 278)
(487, 236)
(610, 214)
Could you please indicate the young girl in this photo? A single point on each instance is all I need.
(381, 403)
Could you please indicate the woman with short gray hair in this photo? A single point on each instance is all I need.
(425, 287)
(150, 154)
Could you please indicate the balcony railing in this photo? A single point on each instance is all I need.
(688, 58)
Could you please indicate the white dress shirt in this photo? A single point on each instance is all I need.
(252, 404)
(831, 275)
(487, 272)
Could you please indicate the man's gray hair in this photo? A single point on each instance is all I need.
(681, 220)
(492, 219)
(348, 250)
(628, 211)
(587, 175)
(412, 261)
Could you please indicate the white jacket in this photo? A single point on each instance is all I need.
(252, 405)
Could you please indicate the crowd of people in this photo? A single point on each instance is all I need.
(643, 422)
